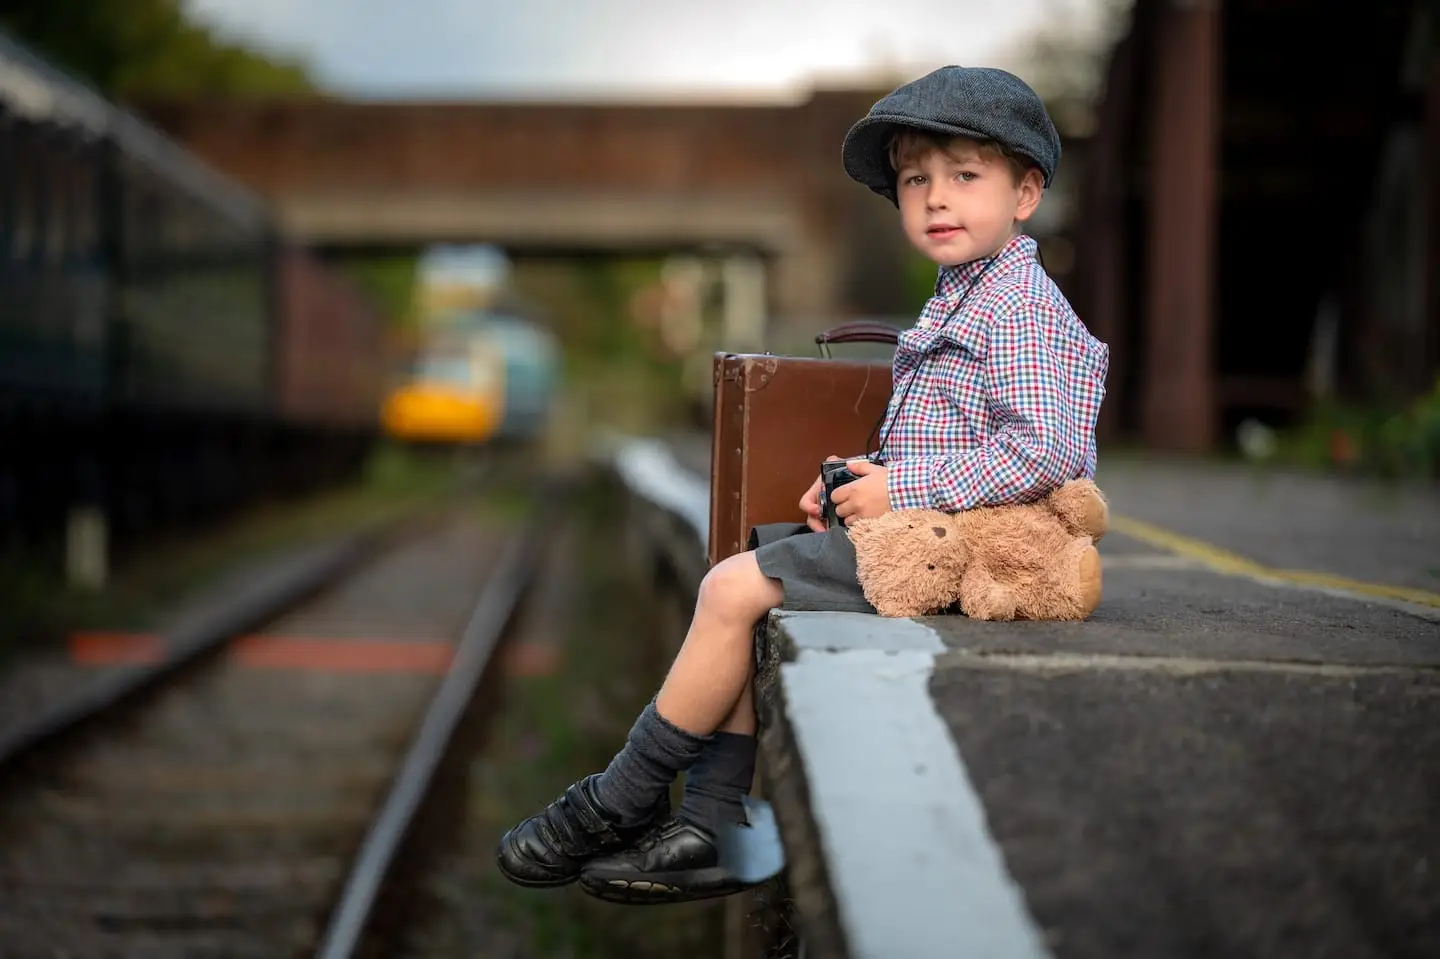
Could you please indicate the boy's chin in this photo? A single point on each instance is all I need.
(945, 257)
(944, 260)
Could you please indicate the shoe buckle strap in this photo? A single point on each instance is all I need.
(590, 821)
(588, 818)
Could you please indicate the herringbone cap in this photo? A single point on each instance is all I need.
(978, 102)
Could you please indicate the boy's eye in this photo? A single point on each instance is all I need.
(915, 180)
(966, 175)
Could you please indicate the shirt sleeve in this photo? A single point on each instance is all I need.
(1031, 451)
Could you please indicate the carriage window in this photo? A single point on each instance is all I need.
(144, 221)
(22, 204)
(7, 182)
(57, 208)
(187, 214)
(84, 203)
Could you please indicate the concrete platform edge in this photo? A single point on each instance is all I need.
(890, 855)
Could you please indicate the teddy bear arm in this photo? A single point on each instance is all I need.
(1082, 508)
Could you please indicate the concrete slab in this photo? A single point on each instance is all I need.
(1116, 545)
(797, 633)
(1234, 812)
(1366, 530)
(900, 825)
(1209, 766)
(1178, 611)
(1212, 765)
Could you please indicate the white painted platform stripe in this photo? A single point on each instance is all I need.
(913, 866)
(650, 469)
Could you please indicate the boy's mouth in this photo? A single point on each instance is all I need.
(942, 231)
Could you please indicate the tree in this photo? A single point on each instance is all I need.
(148, 48)
(1065, 60)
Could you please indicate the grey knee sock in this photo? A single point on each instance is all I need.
(655, 752)
(718, 781)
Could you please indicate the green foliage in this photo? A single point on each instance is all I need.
(590, 302)
(1065, 60)
(390, 281)
(1398, 442)
(148, 48)
(920, 274)
(617, 370)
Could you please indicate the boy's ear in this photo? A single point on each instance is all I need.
(1030, 188)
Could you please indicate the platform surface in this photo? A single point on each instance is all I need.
(1237, 755)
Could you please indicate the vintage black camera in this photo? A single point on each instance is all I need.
(833, 475)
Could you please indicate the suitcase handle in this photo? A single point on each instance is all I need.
(861, 331)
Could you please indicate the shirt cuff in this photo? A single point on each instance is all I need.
(908, 483)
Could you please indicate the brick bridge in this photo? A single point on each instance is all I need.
(1212, 249)
(544, 178)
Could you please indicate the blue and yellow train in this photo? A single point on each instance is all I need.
(482, 377)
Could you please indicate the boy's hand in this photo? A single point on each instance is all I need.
(810, 503)
(865, 498)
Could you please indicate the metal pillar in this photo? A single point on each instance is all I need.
(1432, 190)
(1179, 408)
(87, 548)
(1104, 234)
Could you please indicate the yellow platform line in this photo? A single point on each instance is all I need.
(1224, 561)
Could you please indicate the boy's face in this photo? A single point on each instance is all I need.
(958, 204)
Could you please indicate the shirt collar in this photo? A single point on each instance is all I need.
(952, 280)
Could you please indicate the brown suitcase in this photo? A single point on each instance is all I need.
(776, 419)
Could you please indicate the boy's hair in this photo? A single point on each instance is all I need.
(910, 143)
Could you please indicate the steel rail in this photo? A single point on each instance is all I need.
(283, 585)
(288, 583)
(491, 616)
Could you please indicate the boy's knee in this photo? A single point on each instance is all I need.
(730, 578)
(736, 586)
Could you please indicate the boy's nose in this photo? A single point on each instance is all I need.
(935, 198)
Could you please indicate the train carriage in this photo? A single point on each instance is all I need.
(192, 264)
(53, 138)
(164, 351)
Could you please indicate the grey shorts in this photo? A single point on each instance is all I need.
(816, 570)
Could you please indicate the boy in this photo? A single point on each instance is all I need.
(997, 388)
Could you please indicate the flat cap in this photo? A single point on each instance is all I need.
(979, 102)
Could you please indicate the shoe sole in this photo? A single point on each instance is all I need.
(660, 890)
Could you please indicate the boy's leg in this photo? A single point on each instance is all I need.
(712, 670)
(681, 859)
(703, 692)
(715, 787)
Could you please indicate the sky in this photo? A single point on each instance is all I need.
(631, 49)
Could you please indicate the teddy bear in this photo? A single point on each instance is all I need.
(1031, 561)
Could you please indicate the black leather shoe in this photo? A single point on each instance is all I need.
(549, 849)
(676, 862)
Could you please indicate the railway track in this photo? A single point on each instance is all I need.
(256, 805)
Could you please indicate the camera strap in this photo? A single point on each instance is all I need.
(879, 456)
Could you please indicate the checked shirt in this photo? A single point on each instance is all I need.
(996, 391)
